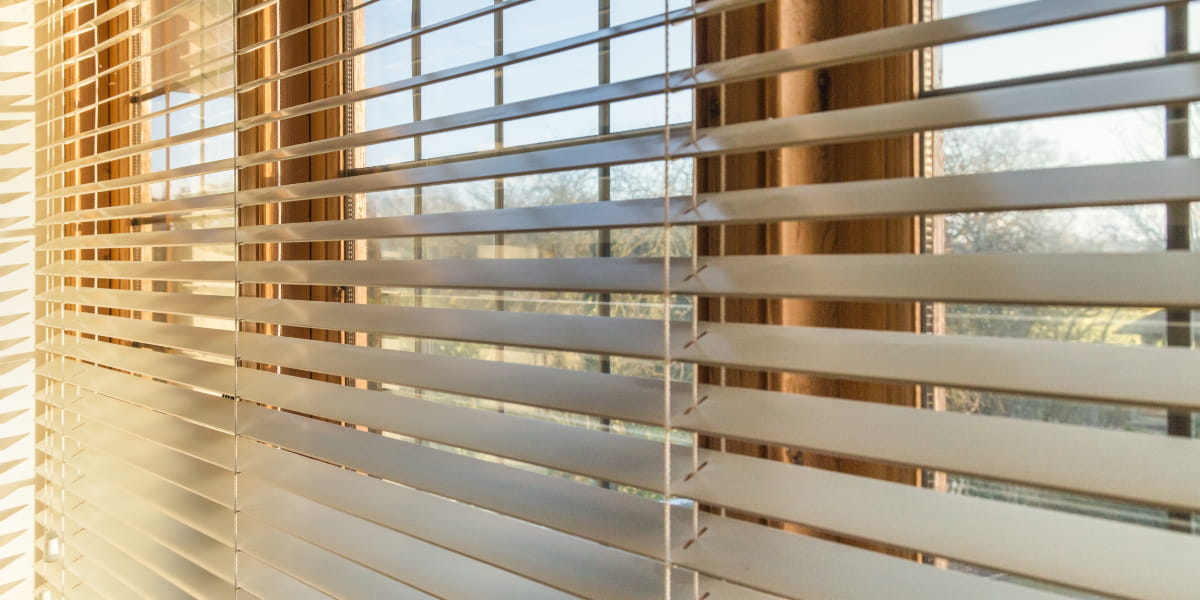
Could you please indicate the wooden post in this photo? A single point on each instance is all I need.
(781, 24)
(291, 51)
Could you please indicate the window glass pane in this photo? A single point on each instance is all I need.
(460, 44)
(1114, 39)
(386, 19)
(546, 21)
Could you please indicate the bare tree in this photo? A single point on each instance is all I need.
(1015, 147)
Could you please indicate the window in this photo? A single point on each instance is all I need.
(1124, 138)
(614, 299)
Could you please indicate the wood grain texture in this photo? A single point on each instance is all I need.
(787, 23)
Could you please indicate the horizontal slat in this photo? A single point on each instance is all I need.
(100, 580)
(322, 570)
(184, 237)
(206, 409)
(819, 54)
(1092, 371)
(634, 398)
(1144, 468)
(175, 368)
(1140, 375)
(134, 149)
(268, 582)
(814, 55)
(214, 556)
(211, 482)
(185, 506)
(1142, 87)
(892, 40)
(1125, 560)
(198, 442)
(592, 393)
(1153, 279)
(1138, 183)
(219, 342)
(560, 447)
(144, 209)
(170, 566)
(161, 302)
(1136, 467)
(532, 551)
(199, 270)
(488, 64)
(805, 568)
(1158, 85)
(125, 567)
(832, 500)
(215, 166)
(415, 32)
(419, 564)
(1159, 279)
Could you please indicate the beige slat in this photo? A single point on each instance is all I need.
(533, 551)
(206, 270)
(1160, 279)
(98, 580)
(1009, 538)
(162, 302)
(213, 483)
(326, 572)
(1157, 85)
(145, 209)
(175, 368)
(170, 566)
(216, 557)
(626, 521)
(185, 506)
(125, 567)
(1171, 180)
(199, 442)
(206, 409)
(184, 237)
(1143, 468)
(218, 342)
(1125, 560)
(267, 582)
(1094, 371)
(419, 564)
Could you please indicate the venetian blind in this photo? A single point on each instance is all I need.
(446, 300)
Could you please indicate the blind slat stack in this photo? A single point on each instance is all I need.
(135, 109)
(406, 299)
